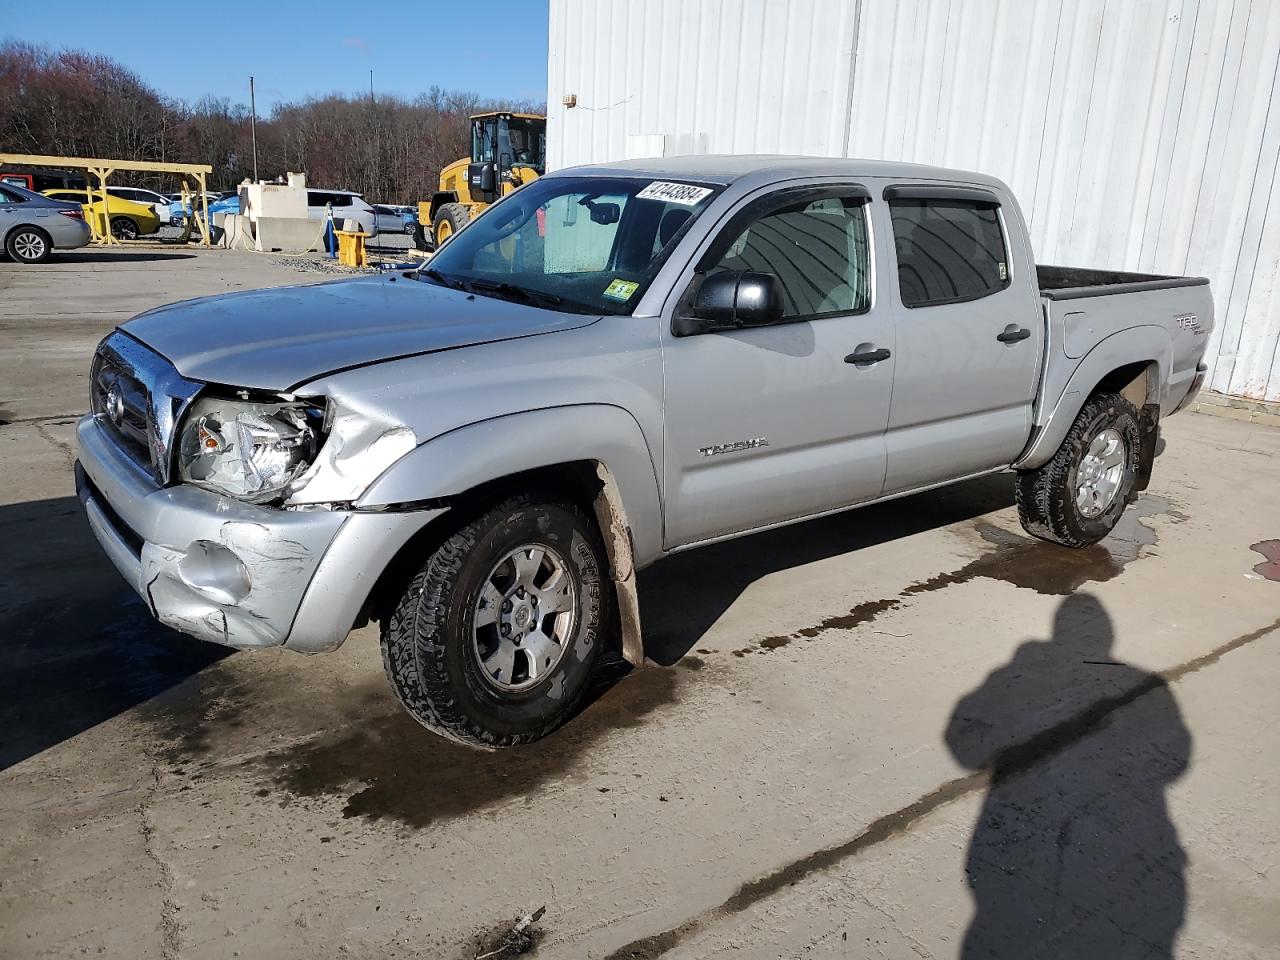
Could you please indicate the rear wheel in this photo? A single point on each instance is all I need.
(122, 228)
(1077, 497)
(450, 218)
(29, 245)
(494, 640)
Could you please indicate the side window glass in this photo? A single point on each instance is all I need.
(7, 197)
(816, 248)
(948, 251)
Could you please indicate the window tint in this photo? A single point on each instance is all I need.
(948, 250)
(817, 248)
(7, 197)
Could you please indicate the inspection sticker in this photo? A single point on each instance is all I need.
(621, 289)
(685, 194)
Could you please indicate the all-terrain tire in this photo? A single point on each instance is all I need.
(28, 245)
(453, 216)
(428, 641)
(1046, 496)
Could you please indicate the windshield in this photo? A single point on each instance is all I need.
(583, 244)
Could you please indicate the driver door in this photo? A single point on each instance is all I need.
(773, 423)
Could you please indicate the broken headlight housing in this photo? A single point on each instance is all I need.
(249, 449)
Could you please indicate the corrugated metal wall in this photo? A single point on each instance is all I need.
(1138, 134)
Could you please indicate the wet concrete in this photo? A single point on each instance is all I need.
(383, 766)
(1014, 558)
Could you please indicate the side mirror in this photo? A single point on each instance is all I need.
(733, 299)
(488, 179)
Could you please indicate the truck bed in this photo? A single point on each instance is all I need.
(1069, 283)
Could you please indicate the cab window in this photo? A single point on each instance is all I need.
(816, 247)
(949, 250)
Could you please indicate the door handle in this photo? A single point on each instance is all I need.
(1013, 333)
(867, 356)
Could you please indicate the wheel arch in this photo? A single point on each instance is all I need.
(593, 455)
(1133, 363)
(439, 199)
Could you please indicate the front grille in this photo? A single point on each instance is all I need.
(137, 396)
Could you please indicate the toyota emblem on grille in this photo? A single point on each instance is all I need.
(115, 403)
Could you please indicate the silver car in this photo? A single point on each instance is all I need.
(33, 226)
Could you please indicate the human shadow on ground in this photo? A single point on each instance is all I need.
(1074, 853)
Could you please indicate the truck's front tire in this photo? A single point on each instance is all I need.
(1077, 497)
(494, 641)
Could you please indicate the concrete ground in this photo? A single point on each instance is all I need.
(908, 731)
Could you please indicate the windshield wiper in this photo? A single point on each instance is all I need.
(452, 283)
(523, 294)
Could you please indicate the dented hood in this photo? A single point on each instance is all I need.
(281, 338)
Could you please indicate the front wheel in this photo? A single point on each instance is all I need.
(1077, 497)
(494, 640)
(450, 218)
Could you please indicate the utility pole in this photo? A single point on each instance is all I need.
(253, 125)
(377, 137)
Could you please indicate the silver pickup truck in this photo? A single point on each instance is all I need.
(613, 364)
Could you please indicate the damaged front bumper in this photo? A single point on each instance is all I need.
(230, 572)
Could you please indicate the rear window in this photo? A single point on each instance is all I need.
(948, 250)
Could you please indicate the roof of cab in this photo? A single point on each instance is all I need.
(726, 168)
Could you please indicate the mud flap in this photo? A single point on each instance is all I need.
(1149, 431)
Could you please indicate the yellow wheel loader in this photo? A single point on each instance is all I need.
(508, 150)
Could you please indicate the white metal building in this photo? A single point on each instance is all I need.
(1138, 134)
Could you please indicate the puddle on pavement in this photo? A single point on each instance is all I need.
(1270, 567)
(387, 767)
(1016, 559)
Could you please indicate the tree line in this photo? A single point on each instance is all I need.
(391, 149)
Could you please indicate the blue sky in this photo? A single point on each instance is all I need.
(496, 49)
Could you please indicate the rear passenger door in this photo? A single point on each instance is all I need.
(771, 423)
(10, 212)
(969, 335)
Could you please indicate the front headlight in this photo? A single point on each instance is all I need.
(248, 449)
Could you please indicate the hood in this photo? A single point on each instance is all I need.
(281, 338)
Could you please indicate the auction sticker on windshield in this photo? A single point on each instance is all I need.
(621, 289)
(685, 194)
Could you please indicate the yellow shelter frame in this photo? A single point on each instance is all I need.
(102, 169)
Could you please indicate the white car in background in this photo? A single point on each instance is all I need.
(156, 201)
(346, 206)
